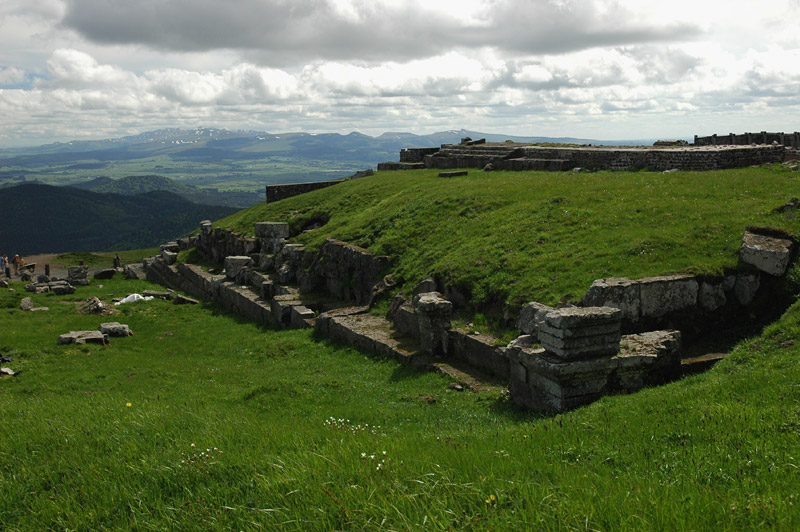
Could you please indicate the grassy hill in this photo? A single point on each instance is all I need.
(43, 218)
(516, 236)
(204, 421)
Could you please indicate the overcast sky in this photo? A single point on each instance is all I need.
(606, 69)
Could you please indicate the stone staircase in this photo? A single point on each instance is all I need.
(266, 301)
(464, 156)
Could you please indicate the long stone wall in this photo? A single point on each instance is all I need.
(511, 156)
(763, 137)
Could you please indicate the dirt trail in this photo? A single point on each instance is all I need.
(56, 269)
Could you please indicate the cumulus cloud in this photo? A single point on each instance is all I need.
(11, 76)
(606, 68)
(281, 31)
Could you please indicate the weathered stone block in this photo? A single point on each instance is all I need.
(301, 317)
(768, 254)
(711, 296)
(115, 329)
(433, 315)
(579, 317)
(83, 337)
(665, 294)
(531, 316)
(169, 257)
(107, 273)
(747, 285)
(617, 292)
(134, 271)
(479, 350)
(235, 264)
(78, 275)
(272, 230)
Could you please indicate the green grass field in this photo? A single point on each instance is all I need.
(202, 421)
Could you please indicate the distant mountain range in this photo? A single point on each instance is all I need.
(46, 219)
(223, 143)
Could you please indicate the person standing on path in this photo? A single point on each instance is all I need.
(7, 269)
(15, 262)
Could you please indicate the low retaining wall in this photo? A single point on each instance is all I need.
(279, 192)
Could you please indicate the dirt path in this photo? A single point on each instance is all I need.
(56, 269)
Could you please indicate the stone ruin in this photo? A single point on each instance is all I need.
(519, 156)
(624, 336)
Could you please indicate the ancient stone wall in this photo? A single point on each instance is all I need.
(660, 159)
(526, 157)
(279, 192)
(415, 155)
(763, 137)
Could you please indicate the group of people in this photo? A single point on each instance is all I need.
(16, 262)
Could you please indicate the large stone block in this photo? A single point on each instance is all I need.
(272, 230)
(83, 337)
(235, 264)
(665, 294)
(581, 332)
(617, 292)
(769, 254)
(531, 316)
(579, 317)
(747, 284)
(711, 296)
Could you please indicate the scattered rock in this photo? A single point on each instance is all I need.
(25, 277)
(767, 253)
(4, 284)
(455, 386)
(489, 168)
(134, 271)
(108, 273)
(7, 372)
(83, 337)
(157, 294)
(26, 304)
(94, 305)
(791, 205)
(78, 275)
(115, 329)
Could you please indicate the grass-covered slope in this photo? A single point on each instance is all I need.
(516, 236)
(202, 421)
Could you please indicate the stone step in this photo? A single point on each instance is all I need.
(355, 327)
(461, 372)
